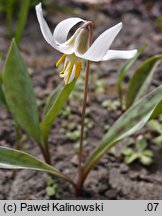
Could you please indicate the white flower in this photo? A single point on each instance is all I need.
(76, 48)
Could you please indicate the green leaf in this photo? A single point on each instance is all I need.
(127, 151)
(14, 159)
(145, 160)
(54, 106)
(131, 158)
(53, 97)
(52, 187)
(22, 18)
(19, 93)
(9, 14)
(148, 153)
(2, 97)
(131, 121)
(157, 111)
(51, 191)
(158, 140)
(125, 69)
(73, 135)
(155, 125)
(141, 79)
(141, 145)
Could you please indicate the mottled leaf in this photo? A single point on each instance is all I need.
(141, 79)
(130, 122)
(54, 106)
(125, 69)
(14, 159)
(19, 93)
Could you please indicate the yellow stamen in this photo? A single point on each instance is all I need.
(63, 70)
(78, 69)
(70, 70)
(60, 60)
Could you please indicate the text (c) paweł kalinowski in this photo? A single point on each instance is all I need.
(96, 207)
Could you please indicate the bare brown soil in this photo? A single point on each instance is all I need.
(111, 178)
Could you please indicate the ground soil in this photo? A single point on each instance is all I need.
(111, 178)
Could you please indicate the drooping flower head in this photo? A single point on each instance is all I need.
(77, 48)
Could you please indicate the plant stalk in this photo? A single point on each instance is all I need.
(47, 156)
(83, 123)
(80, 168)
(45, 151)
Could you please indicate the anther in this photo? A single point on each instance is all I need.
(60, 60)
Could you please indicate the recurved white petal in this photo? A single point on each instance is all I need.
(61, 34)
(68, 46)
(119, 54)
(62, 29)
(101, 45)
(44, 27)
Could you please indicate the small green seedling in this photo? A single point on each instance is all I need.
(156, 127)
(73, 135)
(140, 153)
(111, 105)
(52, 187)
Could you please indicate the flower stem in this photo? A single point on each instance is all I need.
(80, 177)
(83, 119)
